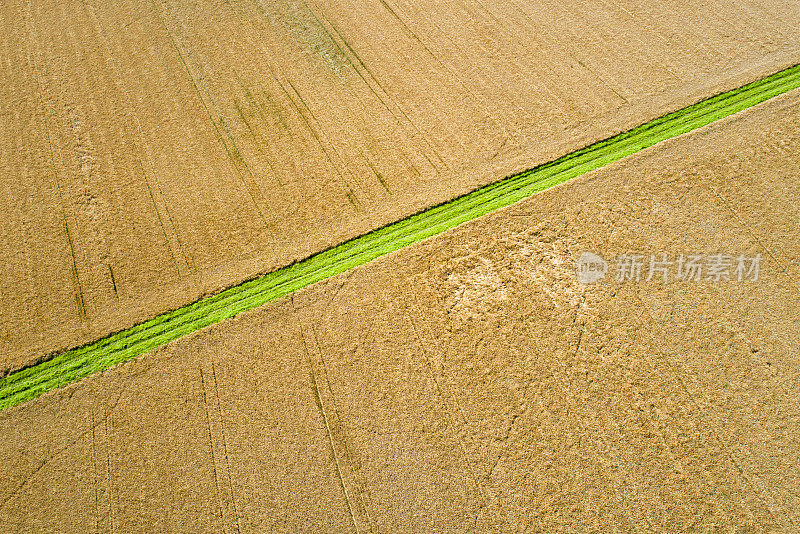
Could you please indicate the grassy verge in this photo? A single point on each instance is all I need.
(78, 363)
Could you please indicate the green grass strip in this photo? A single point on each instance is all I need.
(78, 363)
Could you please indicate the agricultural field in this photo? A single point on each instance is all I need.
(399, 266)
(157, 152)
(470, 382)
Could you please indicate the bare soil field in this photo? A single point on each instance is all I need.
(155, 152)
(470, 383)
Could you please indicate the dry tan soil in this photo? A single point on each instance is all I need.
(156, 151)
(469, 383)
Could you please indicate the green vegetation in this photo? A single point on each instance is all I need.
(75, 364)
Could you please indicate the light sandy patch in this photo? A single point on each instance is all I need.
(475, 289)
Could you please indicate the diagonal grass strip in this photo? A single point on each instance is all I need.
(78, 363)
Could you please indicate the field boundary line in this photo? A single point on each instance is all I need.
(69, 366)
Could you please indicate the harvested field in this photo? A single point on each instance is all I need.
(469, 382)
(156, 152)
(122, 346)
